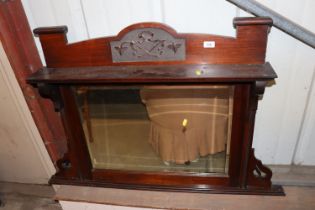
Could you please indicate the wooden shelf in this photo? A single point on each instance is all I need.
(152, 74)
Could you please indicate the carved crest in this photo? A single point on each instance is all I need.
(148, 44)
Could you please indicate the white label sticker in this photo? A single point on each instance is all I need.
(209, 44)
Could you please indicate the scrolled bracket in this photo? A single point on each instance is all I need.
(258, 174)
(260, 87)
(258, 90)
(51, 92)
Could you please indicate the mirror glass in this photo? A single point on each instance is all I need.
(157, 128)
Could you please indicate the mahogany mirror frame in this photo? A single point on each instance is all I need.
(238, 61)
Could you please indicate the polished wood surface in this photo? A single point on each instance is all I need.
(158, 73)
(236, 61)
(249, 46)
(274, 190)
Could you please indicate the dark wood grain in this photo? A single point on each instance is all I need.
(275, 190)
(77, 155)
(245, 21)
(158, 73)
(50, 30)
(160, 178)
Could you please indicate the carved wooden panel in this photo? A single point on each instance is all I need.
(248, 47)
(148, 44)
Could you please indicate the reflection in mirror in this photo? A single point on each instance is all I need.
(157, 128)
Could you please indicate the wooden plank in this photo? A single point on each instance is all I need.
(151, 74)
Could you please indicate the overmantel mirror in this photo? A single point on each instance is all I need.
(154, 109)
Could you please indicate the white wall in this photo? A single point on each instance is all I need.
(280, 119)
(285, 126)
(23, 156)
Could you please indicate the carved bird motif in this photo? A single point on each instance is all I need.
(121, 49)
(174, 47)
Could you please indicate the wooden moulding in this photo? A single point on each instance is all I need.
(155, 74)
(18, 43)
(238, 61)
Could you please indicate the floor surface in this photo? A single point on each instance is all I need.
(15, 196)
(298, 197)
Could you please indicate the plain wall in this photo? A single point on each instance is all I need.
(23, 156)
